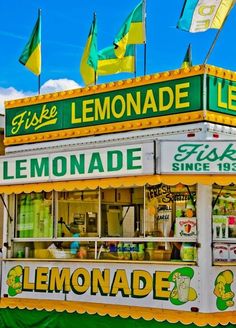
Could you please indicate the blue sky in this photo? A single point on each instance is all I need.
(65, 27)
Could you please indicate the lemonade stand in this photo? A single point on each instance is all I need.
(121, 203)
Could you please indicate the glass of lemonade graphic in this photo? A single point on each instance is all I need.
(183, 284)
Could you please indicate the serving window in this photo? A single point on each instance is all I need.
(77, 213)
(153, 223)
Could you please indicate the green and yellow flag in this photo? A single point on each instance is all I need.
(132, 31)
(187, 62)
(31, 55)
(89, 60)
(108, 63)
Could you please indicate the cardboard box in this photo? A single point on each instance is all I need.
(220, 252)
(232, 252)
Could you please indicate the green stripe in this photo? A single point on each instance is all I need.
(33, 42)
(109, 53)
(135, 16)
(15, 318)
(93, 54)
(138, 14)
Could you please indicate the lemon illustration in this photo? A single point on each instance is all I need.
(228, 276)
(192, 295)
(174, 293)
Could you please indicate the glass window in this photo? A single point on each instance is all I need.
(77, 213)
(122, 212)
(171, 212)
(153, 223)
(34, 215)
(224, 222)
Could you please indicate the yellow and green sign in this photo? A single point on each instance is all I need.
(222, 95)
(127, 104)
(103, 282)
(199, 93)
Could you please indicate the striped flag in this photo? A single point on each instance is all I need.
(88, 64)
(132, 31)
(31, 55)
(201, 15)
(108, 63)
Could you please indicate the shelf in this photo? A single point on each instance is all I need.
(77, 201)
(107, 239)
(225, 240)
(62, 239)
(224, 263)
(171, 262)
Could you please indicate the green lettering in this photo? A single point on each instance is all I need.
(77, 166)
(131, 158)
(95, 163)
(114, 160)
(20, 168)
(5, 172)
(59, 166)
(39, 167)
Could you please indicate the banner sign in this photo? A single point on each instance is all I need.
(132, 103)
(222, 95)
(79, 164)
(206, 157)
(171, 287)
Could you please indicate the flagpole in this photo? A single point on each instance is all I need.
(39, 84)
(145, 59)
(216, 38)
(95, 72)
(212, 46)
(145, 44)
(135, 68)
(39, 76)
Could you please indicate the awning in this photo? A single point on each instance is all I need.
(15, 313)
(122, 182)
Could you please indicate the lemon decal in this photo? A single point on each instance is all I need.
(222, 290)
(182, 292)
(14, 280)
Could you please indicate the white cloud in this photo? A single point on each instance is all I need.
(9, 94)
(58, 85)
(48, 87)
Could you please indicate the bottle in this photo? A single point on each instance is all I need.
(141, 253)
(75, 245)
(134, 251)
(126, 251)
(120, 251)
(187, 252)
